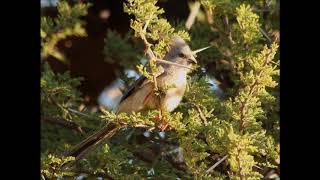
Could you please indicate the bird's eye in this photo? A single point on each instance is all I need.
(182, 55)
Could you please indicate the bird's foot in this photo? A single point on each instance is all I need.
(158, 118)
(163, 123)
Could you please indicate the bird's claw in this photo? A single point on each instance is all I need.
(164, 124)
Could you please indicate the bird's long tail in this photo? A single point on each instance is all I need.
(90, 143)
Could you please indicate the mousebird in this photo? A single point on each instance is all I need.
(141, 96)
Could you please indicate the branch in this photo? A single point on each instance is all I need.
(52, 100)
(148, 156)
(62, 122)
(202, 116)
(172, 63)
(81, 113)
(147, 23)
(216, 164)
(251, 91)
(209, 16)
(152, 57)
(265, 34)
(147, 44)
(239, 166)
(149, 52)
(193, 14)
(228, 27)
(210, 19)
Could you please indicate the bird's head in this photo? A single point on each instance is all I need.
(180, 53)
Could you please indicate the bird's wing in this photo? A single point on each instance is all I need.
(139, 83)
(133, 87)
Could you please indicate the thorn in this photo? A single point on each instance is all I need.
(216, 164)
(199, 50)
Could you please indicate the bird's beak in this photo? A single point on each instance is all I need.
(194, 53)
(199, 50)
(192, 58)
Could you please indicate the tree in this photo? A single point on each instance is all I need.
(232, 136)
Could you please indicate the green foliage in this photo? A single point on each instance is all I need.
(131, 120)
(200, 93)
(114, 44)
(144, 71)
(68, 23)
(59, 94)
(50, 166)
(243, 126)
(158, 29)
(248, 24)
(241, 162)
(58, 91)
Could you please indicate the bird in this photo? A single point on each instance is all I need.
(140, 96)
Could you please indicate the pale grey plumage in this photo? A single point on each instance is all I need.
(141, 95)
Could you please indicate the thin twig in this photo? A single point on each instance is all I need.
(147, 44)
(209, 15)
(130, 134)
(152, 57)
(265, 34)
(63, 107)
(257, 167)
(193, 14)
(147, 23)
(255, 9)
(149, 53)
(275, 63)
(240, 167)
(172, 63)
(202, 116)
(151, 129)
(216, 164)
(62, 122)
(81, 113)
(142, 126)
(228, 27)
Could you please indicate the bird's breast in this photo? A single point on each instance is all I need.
(144, 97)
(173, 95)
(172, 100)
